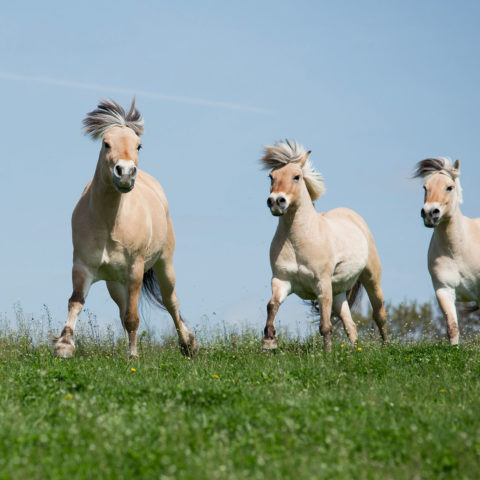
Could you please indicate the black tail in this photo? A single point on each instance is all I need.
(151, 290)
(353, 298)
(468, 308)
(354, 295)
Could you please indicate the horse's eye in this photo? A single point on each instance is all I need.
(296, 178)
(139, 147)
(107, 145)
(449, 188)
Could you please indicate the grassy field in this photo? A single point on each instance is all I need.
(394, 412)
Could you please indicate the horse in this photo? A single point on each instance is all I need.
(318, 256)
(454, 251)
(122, 232)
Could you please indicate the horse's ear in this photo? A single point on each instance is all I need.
(304, 158)
(456, 168)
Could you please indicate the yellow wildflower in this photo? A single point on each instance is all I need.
(359, 349)
(442, 390)
(68, 396)
(107, 356)
(215, 375)
(133, 369)
(342, 345)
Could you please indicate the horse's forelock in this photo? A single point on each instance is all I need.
(110, 114)
(429, 166)
(285, 152)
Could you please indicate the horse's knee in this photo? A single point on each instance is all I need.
(326, 330)
(131, 322)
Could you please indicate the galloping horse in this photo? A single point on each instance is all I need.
(122, 234)
(318, 256)
(454, 252)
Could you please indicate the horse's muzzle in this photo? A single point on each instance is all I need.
(278, 204)
(124, 175)
(431, 217)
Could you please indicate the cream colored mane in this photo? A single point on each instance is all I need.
(282, 153)
(430, 166)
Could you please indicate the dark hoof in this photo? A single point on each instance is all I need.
(189, 349)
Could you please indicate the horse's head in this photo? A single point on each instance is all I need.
(286, 184)
(291, 178)
(120, 133)
(443, 192)
(120, 153)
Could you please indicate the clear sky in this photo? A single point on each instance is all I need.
(370, 87)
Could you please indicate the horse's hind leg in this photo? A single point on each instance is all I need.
(166, 281)
(119, 295)
(371, 280)
(341, 308)
(64, 346)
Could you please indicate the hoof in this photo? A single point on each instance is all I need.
(269, 344)
(189, 349)
(64, 348)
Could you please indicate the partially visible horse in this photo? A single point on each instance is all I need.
(454, 252)
(318, 256)
(122, 232)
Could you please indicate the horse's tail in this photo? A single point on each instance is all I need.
(471, 308)
(151, 290)
(354, 295)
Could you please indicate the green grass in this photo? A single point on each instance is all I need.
(394, 412)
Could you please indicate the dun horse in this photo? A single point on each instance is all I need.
(122, 232)
(454, 252)
(318, 256)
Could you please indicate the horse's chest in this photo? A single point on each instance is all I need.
(113, 265)
(301, 278)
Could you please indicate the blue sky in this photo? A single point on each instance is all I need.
(369, 87)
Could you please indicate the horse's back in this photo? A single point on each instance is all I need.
(344, 221)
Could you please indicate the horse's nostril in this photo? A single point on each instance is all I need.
(422, 213)
(435, 211)
(134, 171)
(281, 201)
(118, 170)
(269, 202)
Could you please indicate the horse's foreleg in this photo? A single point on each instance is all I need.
(166, 281)
(325, 302)
(280, 291)
(131, 319)
(82, 279)
(341, 308)
(446, 300)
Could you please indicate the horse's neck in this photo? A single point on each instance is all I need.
(105, 200)
(451, 233)
(295, 224)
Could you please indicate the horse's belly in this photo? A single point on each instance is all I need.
(468, 290)
(345, 275)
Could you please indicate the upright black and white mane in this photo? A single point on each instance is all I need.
(110, 114)
(430, 166)
(282, 153)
